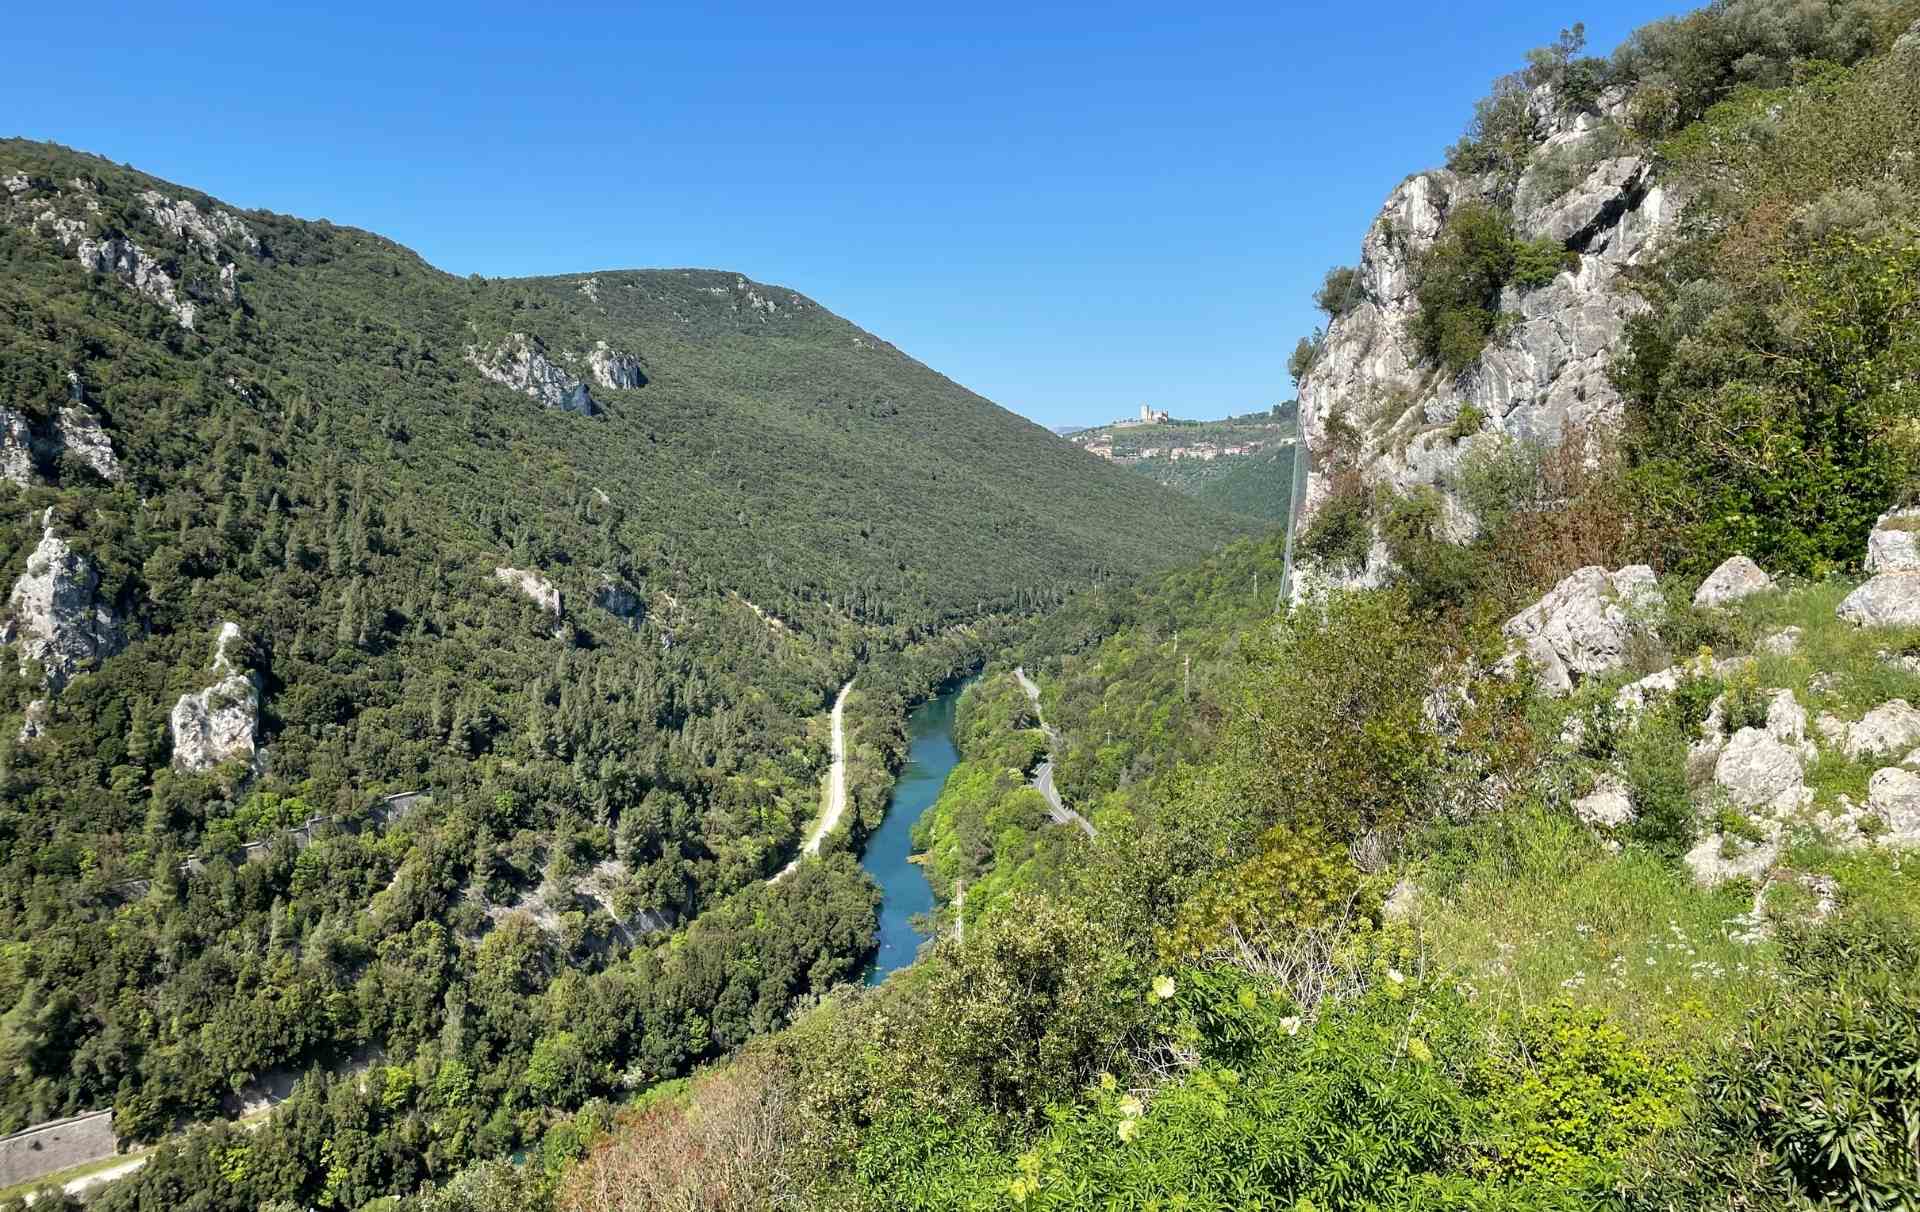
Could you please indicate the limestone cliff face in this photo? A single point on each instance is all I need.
(538, 589)
(70, 214)
(521, 363)
(1544, 372)
(615, 370)
(57, 616)
(219, 723)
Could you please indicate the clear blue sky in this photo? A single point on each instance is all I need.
(1073, 209)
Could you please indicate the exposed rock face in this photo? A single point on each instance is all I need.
(1737, 578)
(1760, 772)
(1784, 642)
(58, 618)
(218, 724)
(209, 228)
(78, 432)
(1888, 728)
(617, 600)
(1547, 375)
(16, 448)
(521, 363)
(1894, 544)
(1609, 805)
(538, 589)
(35, 723)
(1584, 625)
(615, 370)
(1891, 599)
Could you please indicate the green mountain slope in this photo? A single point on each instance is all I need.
(1257, 486)
(593, 601)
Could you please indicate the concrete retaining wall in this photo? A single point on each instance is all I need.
(55, 1145)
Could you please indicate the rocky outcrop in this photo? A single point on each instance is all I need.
(615, 370)
(1892, 597)
(521, 363)
(16, 448)
(218, 724)
(1894, 544)
(1584, 626)
(1737, 578)
(77, 432)
(1546, 376)
(210, 228)
(57, 617)
(1892, 727)
(1608, 806)
(538, 589)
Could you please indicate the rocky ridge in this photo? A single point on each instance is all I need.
(57, 619)
(522, 363)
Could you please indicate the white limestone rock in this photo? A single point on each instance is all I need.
(78, 432)
(1758, 772)
(1737, 578)
(1784, 642)
(1893, 795)
(538, 589)
(1543, 379)
(16, 449)
(1890, 599)
(615, 370)
(218, 724)
(1717, 859)
(1894, 544)
(1608, 806)
(1584, 625)
(34, 725)
(208, 228)
(58, 619)
(1891, 726)
(521, 363)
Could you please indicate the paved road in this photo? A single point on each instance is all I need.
(836, 786)
(1042, 780)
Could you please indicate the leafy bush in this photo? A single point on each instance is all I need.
(1782, 426)
(1467, 423)
(1816, 1102)
(1340, 292)
(1459, 279)
(1439, 574)
(1295, 881)
(1305, 354)
(1342, 528)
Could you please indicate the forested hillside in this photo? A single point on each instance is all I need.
(298, 522)
(1552, 848)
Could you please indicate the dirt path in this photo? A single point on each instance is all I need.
(836, 805)
(1042, 780)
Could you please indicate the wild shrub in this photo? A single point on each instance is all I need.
(1342, 528)
(1457, 282)
(1816, 1101)
(1295, 881)
(1340, 292)
(1783, 426)
(1329, 731)
(1439, 574)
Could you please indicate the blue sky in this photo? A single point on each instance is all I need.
(1073, 209)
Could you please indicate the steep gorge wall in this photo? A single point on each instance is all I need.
(1544, 372)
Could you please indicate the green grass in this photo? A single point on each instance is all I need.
(1540, 911)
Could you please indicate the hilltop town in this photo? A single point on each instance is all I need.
(1183, 454)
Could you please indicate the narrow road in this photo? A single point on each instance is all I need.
(836, 805)
(1042, 780)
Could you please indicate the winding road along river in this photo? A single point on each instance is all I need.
(904, 890)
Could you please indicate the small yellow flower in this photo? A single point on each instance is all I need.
(1249, 998)
(1128, 1129)
(1162, 988)
(1107, 1082)
(1418, 1050)
(1130, 1107)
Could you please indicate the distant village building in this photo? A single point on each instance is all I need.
(1152, 416)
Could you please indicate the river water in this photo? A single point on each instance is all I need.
(904, 890)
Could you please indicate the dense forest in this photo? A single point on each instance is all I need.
(1375, 915)
(573, 567)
